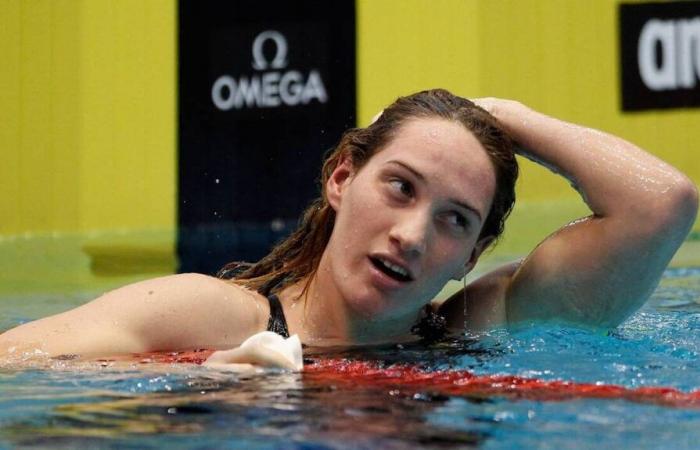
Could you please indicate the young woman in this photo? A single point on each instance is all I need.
(407, 204)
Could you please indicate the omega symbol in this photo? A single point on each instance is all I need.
(280, 59)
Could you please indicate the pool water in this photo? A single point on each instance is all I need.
(186, 406)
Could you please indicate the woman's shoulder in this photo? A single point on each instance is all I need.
(217, 309)
(189, 286)
(212, 291)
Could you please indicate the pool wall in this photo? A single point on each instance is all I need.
(88, 115)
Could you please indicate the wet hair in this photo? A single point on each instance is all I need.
(298, 256)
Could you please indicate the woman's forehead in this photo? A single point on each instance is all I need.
(434, 133)
(438, 144)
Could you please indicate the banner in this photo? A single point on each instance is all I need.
(265, 88)
(660, 55)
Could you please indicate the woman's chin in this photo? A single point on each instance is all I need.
(370, 307)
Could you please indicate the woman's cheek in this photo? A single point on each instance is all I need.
(451, 257)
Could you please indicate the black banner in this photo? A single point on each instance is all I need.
(265, 88)
(660, 55)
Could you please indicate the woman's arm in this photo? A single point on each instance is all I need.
(600, 269)
(185, 311)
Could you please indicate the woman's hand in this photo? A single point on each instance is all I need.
(496, 106)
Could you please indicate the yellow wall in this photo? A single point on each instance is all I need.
(87, 115)
(404, 46)
(88, 94)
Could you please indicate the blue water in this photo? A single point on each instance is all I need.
(89, 406)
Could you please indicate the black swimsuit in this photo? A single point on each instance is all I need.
(277, 322)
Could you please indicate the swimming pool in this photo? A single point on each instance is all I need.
(183, 406)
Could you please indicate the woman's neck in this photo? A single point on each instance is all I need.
(319, 314)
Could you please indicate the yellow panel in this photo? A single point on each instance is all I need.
(10, 116)
(128, 173)
(35, 116)
(65, 112)
(39, 118)
(410, 45)
(159, 139)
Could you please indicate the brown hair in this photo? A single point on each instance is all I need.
(299, 254)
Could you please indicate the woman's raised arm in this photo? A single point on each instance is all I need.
(600, 269)
(176, 312)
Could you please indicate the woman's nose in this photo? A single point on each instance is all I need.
(411, 231)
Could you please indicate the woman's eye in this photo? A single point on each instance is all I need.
(457, 220)
(403, 187)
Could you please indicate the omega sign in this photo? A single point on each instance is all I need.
(270, 85)
(660, 55)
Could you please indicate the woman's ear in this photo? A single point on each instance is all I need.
(481, 245)
(339, 179)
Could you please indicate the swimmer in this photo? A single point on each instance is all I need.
(407, 204)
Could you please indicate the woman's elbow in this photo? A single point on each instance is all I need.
(667, 214)
(683, 203)
(671, 215)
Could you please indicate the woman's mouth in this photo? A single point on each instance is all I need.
(391, 270)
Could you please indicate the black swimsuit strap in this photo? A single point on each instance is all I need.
(277, 323)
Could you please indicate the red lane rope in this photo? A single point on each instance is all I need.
(409, 379)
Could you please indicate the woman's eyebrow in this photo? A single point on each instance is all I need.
(422, 178)
(469, 208)
(409, 168)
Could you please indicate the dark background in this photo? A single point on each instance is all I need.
(266, 160)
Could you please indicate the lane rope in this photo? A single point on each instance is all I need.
(410, 379)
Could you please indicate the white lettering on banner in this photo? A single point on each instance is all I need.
(280, 59)
(679, 41)
(269, 89)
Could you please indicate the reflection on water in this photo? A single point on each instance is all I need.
(277, 408)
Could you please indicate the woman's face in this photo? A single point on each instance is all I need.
(409, 220)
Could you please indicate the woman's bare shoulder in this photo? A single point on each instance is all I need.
(200, 286)
(203, 304)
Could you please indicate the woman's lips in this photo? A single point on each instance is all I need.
(385, 277)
